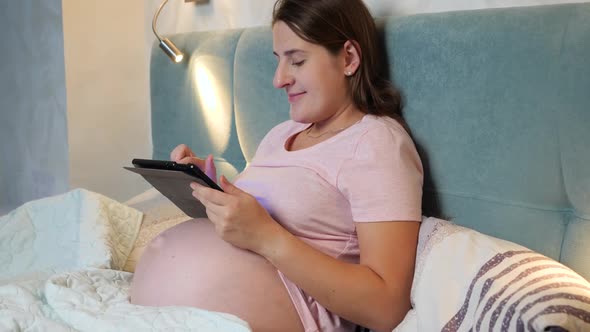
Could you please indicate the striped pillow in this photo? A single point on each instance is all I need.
(482, 283)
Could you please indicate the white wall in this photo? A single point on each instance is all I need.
(179, 16)
(107, 94)
(108, 45)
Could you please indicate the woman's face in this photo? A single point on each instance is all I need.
(313, 78)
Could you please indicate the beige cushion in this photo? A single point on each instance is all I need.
(159, 215)
(466, 280)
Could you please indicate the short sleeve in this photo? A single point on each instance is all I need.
(383, 179)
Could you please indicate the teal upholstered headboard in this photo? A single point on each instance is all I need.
(498, 102)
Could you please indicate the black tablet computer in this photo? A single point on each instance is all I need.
(173, 181)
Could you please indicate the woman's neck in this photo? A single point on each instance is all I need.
(346, 116)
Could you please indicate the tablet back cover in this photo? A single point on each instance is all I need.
(175, 185)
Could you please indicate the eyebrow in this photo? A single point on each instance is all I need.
(290, 52)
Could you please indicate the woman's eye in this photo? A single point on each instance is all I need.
(298, 63)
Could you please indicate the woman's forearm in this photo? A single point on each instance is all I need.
(352, 291)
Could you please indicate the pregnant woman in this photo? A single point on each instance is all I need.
(319, 232)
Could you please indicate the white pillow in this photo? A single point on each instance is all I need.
(469, 281)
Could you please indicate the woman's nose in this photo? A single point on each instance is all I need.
(282, 77)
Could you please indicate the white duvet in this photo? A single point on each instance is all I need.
(60, 261)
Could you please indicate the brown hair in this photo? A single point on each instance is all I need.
(330, 23)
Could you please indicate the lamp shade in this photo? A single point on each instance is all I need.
(171, 50)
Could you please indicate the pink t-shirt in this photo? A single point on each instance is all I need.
(369, 172)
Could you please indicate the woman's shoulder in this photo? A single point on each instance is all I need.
(382, 127)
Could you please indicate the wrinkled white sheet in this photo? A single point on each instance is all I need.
(59, 261)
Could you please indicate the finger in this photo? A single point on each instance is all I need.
(181, 151)
(177, 153)
(198, 194)
(214, 212)
(210, 169)
(210, 195)
(200, 163)
(228, 187)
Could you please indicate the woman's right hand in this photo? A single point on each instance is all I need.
(182, 154)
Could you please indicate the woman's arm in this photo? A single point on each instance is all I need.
(374, 293)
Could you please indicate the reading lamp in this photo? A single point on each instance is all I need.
(165, 44)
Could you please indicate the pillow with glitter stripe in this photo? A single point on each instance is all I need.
(469, 281)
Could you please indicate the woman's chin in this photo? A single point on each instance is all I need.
(296, 114)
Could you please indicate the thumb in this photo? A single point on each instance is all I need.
(210, 168)
(228, 187)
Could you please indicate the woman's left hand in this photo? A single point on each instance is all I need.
(238, 217)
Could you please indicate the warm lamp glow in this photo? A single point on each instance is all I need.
(214, 103)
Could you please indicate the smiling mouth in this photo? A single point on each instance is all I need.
(294, 96)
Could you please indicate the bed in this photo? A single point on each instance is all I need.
(499, 105)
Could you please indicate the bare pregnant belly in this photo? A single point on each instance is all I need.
(190, 265)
